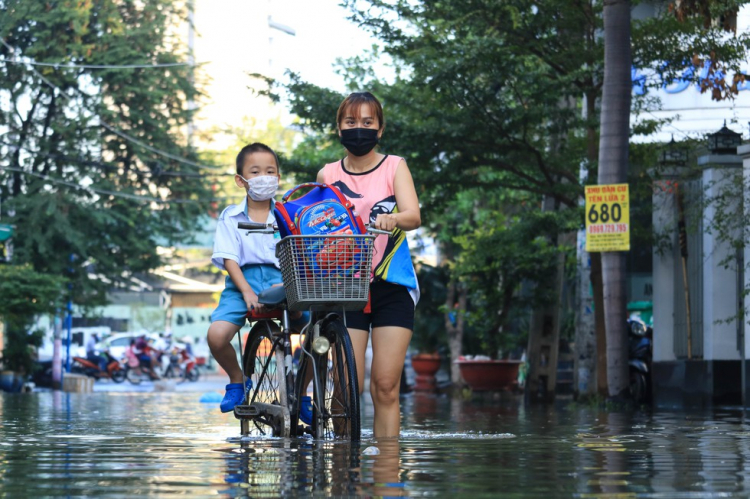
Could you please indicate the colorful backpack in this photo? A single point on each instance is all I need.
(322, 210)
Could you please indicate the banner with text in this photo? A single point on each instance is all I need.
(607, 218)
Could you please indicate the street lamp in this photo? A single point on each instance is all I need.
(673, 155)
(725, 141)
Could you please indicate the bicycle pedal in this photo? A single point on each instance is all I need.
(245, 411)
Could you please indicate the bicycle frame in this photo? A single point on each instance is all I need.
(283, 344)
(275, 403)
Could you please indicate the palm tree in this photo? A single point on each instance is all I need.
(613, 167)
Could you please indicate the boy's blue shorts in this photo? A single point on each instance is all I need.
(232, 307)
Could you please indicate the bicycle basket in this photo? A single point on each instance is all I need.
(326, 272)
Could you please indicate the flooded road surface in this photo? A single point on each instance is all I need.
(117, 444)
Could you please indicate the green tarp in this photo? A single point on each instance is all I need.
(6, 232)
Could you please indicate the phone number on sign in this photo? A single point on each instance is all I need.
(608, 229)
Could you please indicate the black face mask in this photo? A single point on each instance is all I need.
(359, 141)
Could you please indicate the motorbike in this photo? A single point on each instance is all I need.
(114, 371)
(182, 365)
(640, 344)
(139, 373)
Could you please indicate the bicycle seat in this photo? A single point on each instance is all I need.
(272, 297)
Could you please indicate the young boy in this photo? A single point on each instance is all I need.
(249, 259)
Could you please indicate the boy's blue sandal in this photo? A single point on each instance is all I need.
(305, 410)
(234, 395)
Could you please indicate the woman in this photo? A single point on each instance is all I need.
(382, 190)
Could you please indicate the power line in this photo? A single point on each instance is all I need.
(84, 188)
(112, 166)
(89, 189)
(155, 150)
(111, 128)
(70, 65)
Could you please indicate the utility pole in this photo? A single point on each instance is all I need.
(57, 354)
(191, 61)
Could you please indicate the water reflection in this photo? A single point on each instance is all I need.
(283, 468)
(55, 444)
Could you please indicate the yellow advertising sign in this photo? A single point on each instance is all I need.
(607, 218)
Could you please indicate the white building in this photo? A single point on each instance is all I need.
(698, 340)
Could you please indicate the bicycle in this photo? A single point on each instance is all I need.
(340, 281)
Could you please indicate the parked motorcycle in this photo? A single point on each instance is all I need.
(640, 345)
(114, 371)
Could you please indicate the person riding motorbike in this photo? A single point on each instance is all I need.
(92, 352)
(144, 352)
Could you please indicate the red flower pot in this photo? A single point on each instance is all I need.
(490, 375)
(425, 366)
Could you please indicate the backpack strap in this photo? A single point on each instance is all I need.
(281, 210)
(294, 189)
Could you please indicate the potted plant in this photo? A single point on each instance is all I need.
(24, 294)
(503, 266)
(429, 338)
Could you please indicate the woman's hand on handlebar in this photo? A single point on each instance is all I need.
(386, 221)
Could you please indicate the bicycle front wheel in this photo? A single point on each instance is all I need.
(337, 416)
(263, 363)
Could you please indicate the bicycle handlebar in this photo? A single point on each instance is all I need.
(258, 227)
(373, 230)
(270, 228)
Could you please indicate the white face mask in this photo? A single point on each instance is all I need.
(262, 188)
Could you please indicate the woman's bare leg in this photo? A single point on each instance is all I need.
(389, 346)
(359, 339)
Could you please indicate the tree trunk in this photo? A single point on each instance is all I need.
(456, 296)
(613, 167)
(601, 330)
(590, 334)
(585, 357)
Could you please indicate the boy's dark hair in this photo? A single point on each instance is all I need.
(249, 149)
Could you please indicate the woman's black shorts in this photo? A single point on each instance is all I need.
(391, 305)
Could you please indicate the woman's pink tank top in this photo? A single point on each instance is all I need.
(372, 194)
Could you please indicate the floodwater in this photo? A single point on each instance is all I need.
(118, 444)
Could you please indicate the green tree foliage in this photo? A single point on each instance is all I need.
(505, 260)
(24, 294)
(429, 328)
(696, 41)
(491, 98)
(95, 169)
(480, 96)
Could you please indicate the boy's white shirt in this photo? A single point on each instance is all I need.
(245, 248)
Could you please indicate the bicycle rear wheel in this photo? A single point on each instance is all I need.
(263, 363)
(338, 415)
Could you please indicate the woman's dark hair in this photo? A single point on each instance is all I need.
(249, 149)
(355, 101)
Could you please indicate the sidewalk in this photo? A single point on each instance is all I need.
(206, 383)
